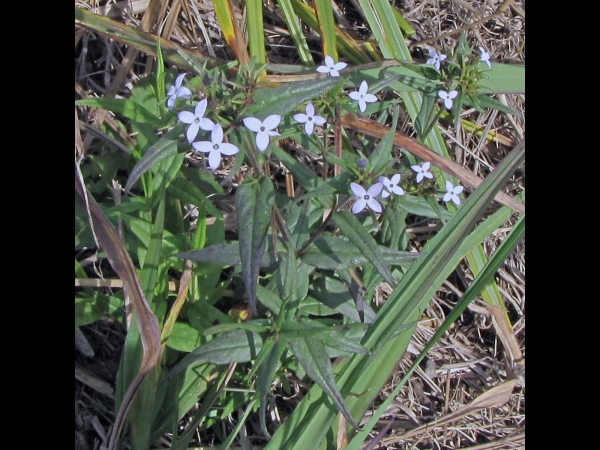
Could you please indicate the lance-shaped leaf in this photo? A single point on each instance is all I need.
(253, 201)
(164, 148)
(226, 254)
(270, 362)
(281, 100)
(127, 108)
(235, 347)
(315, 361)
(353, 230)
(333, 253)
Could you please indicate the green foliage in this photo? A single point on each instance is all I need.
(294, 261)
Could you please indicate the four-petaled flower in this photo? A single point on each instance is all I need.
(422, 171)
(366, 197)
(452, 193)
(196, 120)
(331, 67)
(485, 57)
(362, 96)
(391, 186)
(216, 147)
(263, 129)
(177, 91)
(435, 59)
(309, 119)
(447, 97)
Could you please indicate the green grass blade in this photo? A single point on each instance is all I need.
(295, 30)
(126, 108)
(327, 27)
(256, 32)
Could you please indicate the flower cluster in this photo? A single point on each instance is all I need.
(386, 187)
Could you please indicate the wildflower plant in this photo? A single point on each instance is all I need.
(261, 294)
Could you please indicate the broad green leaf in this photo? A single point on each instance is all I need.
(420, 207)
(257, 326)
(188, 193)
(315, 361)
(235, 347)
(127, 108)
(358, 235)
(333, 253)
(253, 201)
(225, 254)
(504, 79)
(184, 337)
(164, 148)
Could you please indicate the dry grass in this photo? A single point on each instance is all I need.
(470, 359)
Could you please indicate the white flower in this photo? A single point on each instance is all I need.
(263, 129)
(422, 171)
(216, 147)
(391, 186)
(452, 193)
(309, 119)
(435, 59)
(485, 57)
(362, 96)
(196, 120)
(366, 198)
(447, 97)
(177, 91)
(331, 67)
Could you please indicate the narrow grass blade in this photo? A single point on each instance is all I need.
(327, 27)
(295, 29)
(256, 32)
(231, 31)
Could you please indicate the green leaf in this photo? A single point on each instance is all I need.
(382, 154)
(164, 148)
(420, 207)
(235, 347)
(504, 79)
(315, 361)
(268, 368)
(488, 102)
(284, 99)
(355, 231)
(184, 337)
(127, 108)
(152, 259)
(253, 201)
(333, 253)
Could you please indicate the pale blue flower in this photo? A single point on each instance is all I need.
(331, 67)
(391, 186)
(177, 91)
(362, 96)
(422, 171)
(435, 59)
(309, 119)
(366, 197)
(196, 120)
(216, 147)
(452, 193)
(263, 129)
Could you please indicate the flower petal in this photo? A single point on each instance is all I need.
(370, 98)
(364, 87)
(416, 168)
(203, 146)
(334, 73)
(447, 196)
(448, 103)
(329, 62)
(318, 120)
(301, 118)
(183, 92)
(419, 177)
(201, 108)
(271, 122)
(487, 61)
(186, 116)
(171, 90)
(375, 190)
(452, 94)
(374, 204)
(323, 69)
(309, 126)
(396, 179)
(179, 80)
(354, 95)
(385, 194)
(428, 175)
(253, 124)
(192, 132)
(358, 190)
(385, 181)
(310, 110)
(340, 66)
(458, 189)
(262, 140)
(449, 186)
(359, 206)
(426, 165)
(207, 124)
(442, 94)
(217, 134)
(171, 102)
(214, 159)
(456, 200)
(398, 190)
(442, 57)
(228, 149)
(362, 105)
